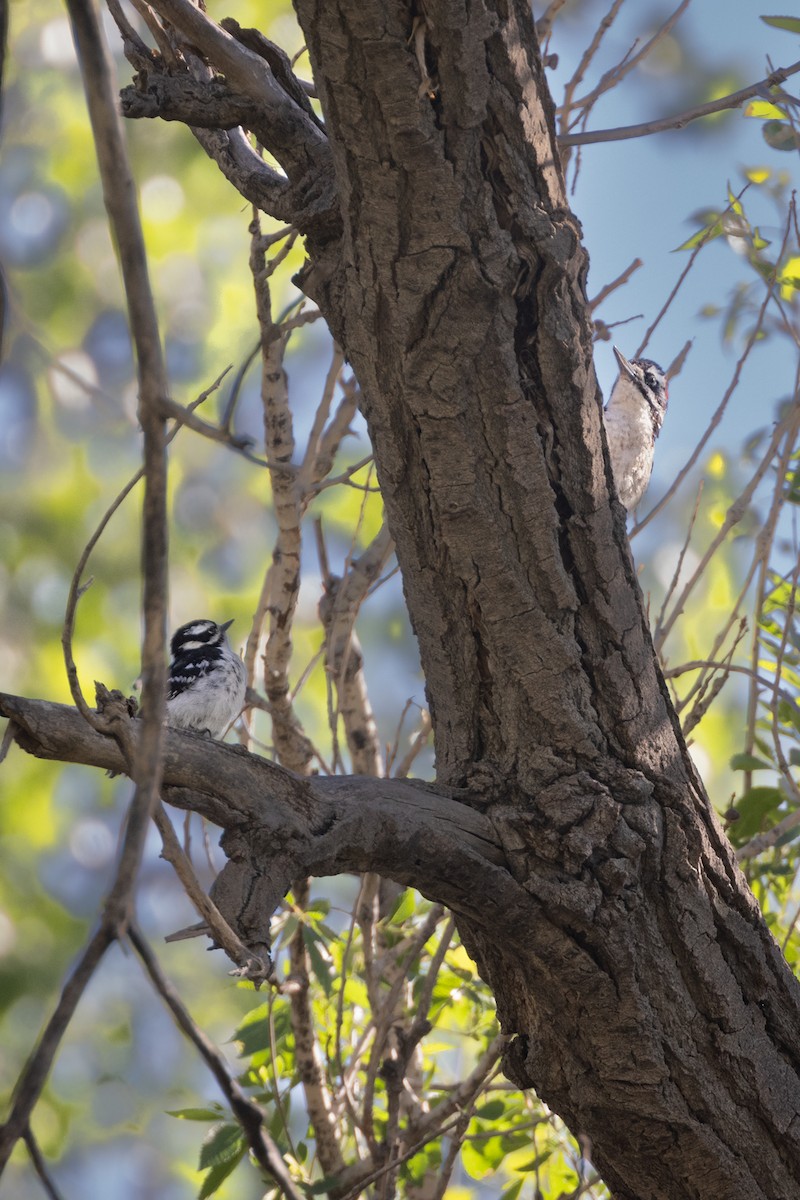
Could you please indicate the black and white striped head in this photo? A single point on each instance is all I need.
(650, 381)
(198, 635)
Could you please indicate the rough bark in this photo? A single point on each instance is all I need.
(570, 834)
(654, 1010)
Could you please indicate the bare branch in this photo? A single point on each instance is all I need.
(296, 139)
(606, 291)
(40, 1166)
(322, 1111)
(256, 970)
(249, 1115)
(29, 1085)
(681, 120)
(120, 198)
(410, 831)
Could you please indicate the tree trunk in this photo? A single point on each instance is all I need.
(654, 1011)
(592, 883)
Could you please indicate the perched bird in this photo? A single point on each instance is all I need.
(206, 685)
(634, 416)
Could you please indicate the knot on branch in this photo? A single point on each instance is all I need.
(574, 847)
(113, 705)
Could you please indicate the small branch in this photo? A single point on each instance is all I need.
(251, 1118)
(248, 967)
(682, 119)
(39, 1165)
(615, 76)
(281, 586)
(606, 291)
(119, 194)
(344, 658)
(294, 136)
(320, 1106)
(719, 412)
(292, 826)
(29, 1085)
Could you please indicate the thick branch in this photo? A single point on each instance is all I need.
(297, 826)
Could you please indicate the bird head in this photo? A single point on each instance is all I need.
(196, 635)
(650, 381)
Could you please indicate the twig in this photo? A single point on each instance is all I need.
(418, 743)
(77, 588)
(681, 119)
(29, 1085)
(615, 76)
(249, 1115)
(606, 291)
(39, 1165)
(732, 517)
(248, 966)
(723, 404)
(586, 59)
(679, 565)
(308, 471)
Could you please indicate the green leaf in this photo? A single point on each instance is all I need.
(779, 135)
(706, 234)
(252, 1036)
(217, 1176)
(757, 810)
(491, 1110)
(222, 1143)
(473, 1161)
(790, 24)
(749, 762)
(512, 1192)
(321, 1186)
(403, 908)
(195, 1114)
(319, 964)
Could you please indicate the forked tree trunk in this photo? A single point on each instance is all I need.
(654, 1010)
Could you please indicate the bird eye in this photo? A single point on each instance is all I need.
(651, 381)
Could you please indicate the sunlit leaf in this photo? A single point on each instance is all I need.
(701, 237)
(764, 109)
(790, 24)
(195, 1114)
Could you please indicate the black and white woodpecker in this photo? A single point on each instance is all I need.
(207, 681)
(634, 416)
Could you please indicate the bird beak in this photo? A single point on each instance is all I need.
(624, 365)
(227, 625)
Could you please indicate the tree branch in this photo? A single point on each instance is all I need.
(249, 1115)
(681, 119)
(293, 826)
(119, 194)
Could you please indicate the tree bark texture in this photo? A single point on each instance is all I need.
(653, 1009)
(650, 1005)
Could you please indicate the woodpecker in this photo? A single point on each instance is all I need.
(634, 416)
(207, 681)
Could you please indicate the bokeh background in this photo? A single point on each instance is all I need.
(69, 441)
